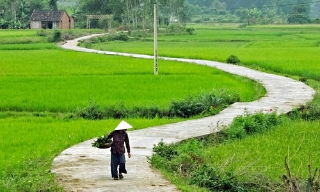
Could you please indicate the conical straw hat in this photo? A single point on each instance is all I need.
(123, 125)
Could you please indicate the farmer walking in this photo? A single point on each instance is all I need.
(120, 140)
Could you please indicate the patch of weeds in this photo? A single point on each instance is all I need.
(117, 112)
(205, 104)
(190, 31)
(215, 180)
(232, 59)
(165, 151)
(310, 112)
(92, 112)
(249, 124)
(149, 112)
(56, 36)
(42, 33)
(211, 104)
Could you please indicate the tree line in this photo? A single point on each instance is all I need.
(133, 14)
(138, 14)
(257, 11)
(16, 13)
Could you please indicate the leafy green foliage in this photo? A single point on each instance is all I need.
(165, 151)
(210, 103)
(190, 30)
(310, 112)
(175, 28)
(215, 180)
(107, 38)
(233, 59)
(249, 124)
(92, 112)
(299, 15)
(56, 37)
(186, 108)
(101, 141)
(206, 104)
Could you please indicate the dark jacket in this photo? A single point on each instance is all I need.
(119, 139)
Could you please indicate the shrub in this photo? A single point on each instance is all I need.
(114, 37)
(310, 112)
(206, 104)
(148, 112)
(251, 123)
(214, 180)
(56, 36)
(139, 34)
(303, 79)
(236, 132)
(86, 43)
(190, 31)
(210, 104)
(121, 37)
(186, 108)
(92, 112)
(116, 112)
(165, 151)
(175, 28)
(232, 59)
(42, 33)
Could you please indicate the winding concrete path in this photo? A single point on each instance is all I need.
(84, 168)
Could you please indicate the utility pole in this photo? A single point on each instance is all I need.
(155, 39)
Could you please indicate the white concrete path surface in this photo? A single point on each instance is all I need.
(84, 168)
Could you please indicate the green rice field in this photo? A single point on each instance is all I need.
(62, 81)
(283, 49)
(40, 83)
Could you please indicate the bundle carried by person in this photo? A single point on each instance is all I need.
(102, 142)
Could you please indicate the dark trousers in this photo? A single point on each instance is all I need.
(118, 160)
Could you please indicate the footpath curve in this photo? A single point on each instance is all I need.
(84, 168)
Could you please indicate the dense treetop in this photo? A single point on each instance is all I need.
(135, 14)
